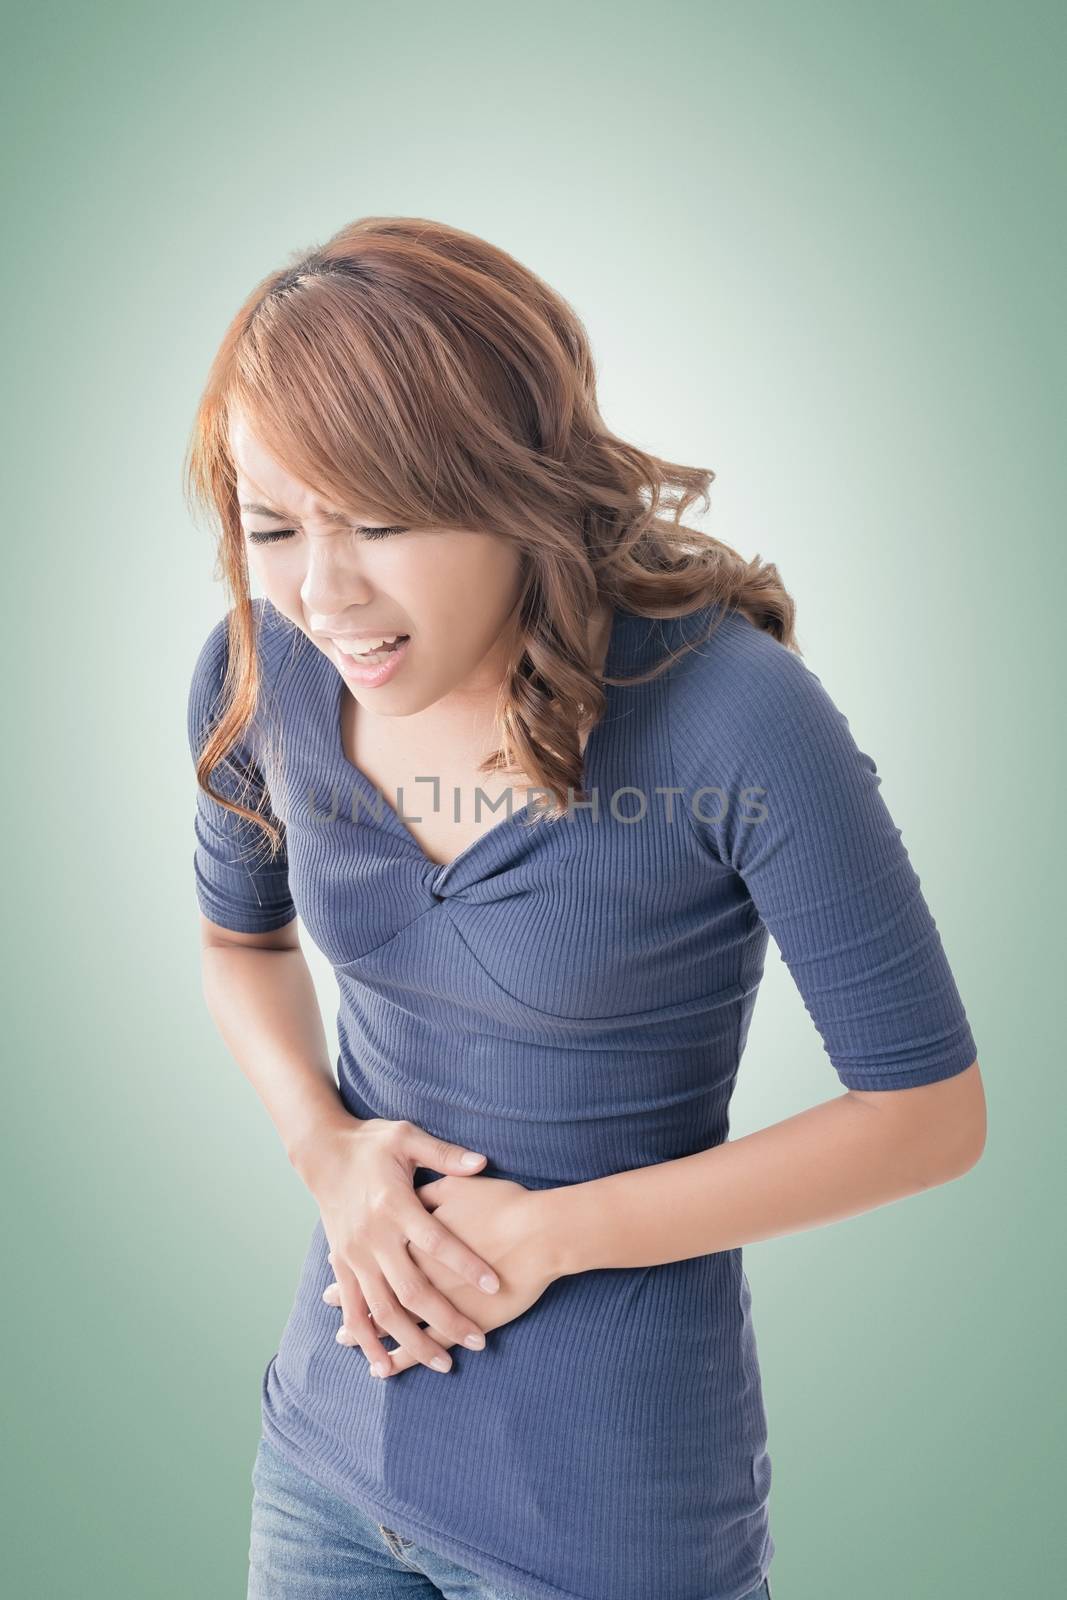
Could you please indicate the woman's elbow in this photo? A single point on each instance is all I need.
(943, 1125)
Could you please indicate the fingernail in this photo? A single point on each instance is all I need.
(487, 1281)
(377, 1369)
(469, 1160)
(475, 1341)
(442, 1363)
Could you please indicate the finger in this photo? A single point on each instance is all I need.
(390, 1292)
(466, 1330)
(357, 1324)
(332, 1297)
(430, 1303)
(438, 1155)
(402, 1359)
(440, 1242)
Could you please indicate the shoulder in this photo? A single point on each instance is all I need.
(272, 634)
(206, 683)
(751, 722)
(744, 692)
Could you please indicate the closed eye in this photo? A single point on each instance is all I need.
(287, 533)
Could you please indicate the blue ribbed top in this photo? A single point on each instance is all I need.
(573, 999)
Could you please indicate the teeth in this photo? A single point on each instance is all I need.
(368, 646)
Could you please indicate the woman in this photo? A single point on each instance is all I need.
(541, 770)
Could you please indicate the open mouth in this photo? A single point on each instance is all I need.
(370, 658)
(376, 666)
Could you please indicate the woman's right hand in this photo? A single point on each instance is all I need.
(362, 1179)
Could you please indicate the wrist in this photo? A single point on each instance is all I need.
(313, 1152)
(561, 1243)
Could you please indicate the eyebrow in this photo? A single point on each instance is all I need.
(254, 509)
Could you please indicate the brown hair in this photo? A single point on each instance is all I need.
(424, 375)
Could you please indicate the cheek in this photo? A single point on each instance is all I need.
(472, 591)
(280, 581)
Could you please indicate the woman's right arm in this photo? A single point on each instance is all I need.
(259, 991)
(261, 996)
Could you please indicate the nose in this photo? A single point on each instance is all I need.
(332, 586)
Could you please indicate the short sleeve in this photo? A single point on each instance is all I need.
(237, 885)
(796, 811)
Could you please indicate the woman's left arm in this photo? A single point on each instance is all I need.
(851, 1154)
(800, 819)
(860, 1150)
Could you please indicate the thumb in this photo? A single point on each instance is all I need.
(440, 1155)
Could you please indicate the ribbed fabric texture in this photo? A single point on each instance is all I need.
(573, 999)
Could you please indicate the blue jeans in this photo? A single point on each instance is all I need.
(307, 1544)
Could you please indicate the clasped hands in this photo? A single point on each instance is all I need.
(426, 1295)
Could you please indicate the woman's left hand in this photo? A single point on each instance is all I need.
(505, 1223)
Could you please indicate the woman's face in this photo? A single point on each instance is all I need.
(453, 592)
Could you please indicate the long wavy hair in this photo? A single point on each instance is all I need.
(423, 375)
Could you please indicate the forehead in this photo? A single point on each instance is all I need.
(261, 476)
(257, 469)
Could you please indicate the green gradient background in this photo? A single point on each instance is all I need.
(818, 249)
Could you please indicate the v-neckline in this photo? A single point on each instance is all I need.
(389, 816)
